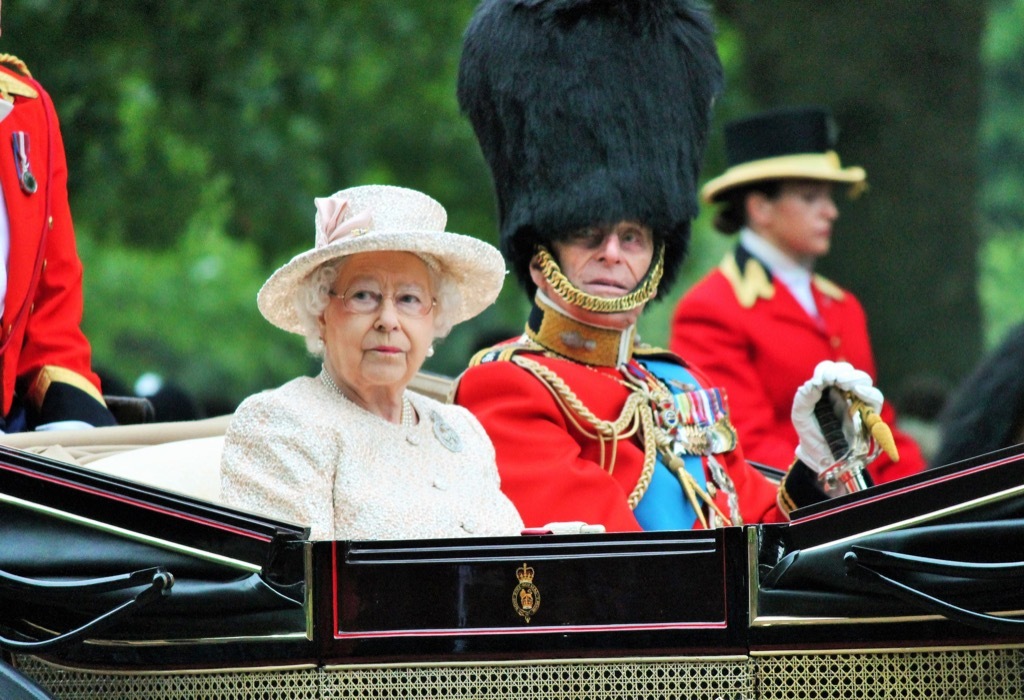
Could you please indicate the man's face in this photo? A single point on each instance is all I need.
(604, 261)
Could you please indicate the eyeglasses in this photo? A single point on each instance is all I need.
(632, 236)
(368, 301)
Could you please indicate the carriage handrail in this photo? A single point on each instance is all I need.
(160, 584)
(869, 564)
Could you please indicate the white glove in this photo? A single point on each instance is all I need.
(813, 449)
(63, 425)
(571, 527)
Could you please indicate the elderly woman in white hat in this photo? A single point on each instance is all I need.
(353, 453)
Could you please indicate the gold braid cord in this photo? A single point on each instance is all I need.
(630, 419)
(782, 498)
(14, 62)
(636, 414)
(572, 295)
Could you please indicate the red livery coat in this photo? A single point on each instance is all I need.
(552, 471)
(762, 350)
(43, 342)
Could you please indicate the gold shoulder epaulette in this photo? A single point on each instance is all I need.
(504, 352)
(748, 285)
(12, 84)
(496, 353)
(829, 288)
(651, 351)
(15, 63)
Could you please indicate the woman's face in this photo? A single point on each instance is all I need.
(605, 261)
(798, 221)
(370, 345)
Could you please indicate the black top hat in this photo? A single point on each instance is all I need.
(791, 143)
(590, 112)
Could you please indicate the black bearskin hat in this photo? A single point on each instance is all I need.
(591, 112)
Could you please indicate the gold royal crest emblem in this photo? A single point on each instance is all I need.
(526, 596)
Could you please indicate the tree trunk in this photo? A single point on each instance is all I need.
(904, 82)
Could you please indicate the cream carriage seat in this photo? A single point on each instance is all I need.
(183, 457)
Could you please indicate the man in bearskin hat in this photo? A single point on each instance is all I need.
(593, 116)
(46, 380)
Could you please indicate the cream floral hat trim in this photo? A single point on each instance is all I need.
(386, 218)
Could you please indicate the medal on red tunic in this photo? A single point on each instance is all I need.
(691, 426)
(20, 144)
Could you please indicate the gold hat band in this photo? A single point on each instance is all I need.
(809, 166)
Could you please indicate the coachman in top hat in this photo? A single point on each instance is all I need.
(593, 116)
(760, 322)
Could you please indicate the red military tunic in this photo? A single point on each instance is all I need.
(46, 357)
(550, 460)
(752, 337)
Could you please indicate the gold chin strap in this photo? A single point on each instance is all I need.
(569, 293)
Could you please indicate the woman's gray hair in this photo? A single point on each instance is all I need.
(312, 297)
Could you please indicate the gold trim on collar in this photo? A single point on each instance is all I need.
(591, 345)
(751, 284)
(15, 63)
(828, 287)
(13, 85)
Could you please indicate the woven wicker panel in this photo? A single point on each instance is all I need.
(656, 680)
(616, 680)
(995, 674)
(268, 685)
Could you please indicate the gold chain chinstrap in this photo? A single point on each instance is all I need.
(569, 293)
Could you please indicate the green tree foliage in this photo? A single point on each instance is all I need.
(198, 135)
(255, 103)
(1002, 168)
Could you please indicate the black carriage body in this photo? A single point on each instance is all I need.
(649, 593)
(235, 581)
(930, 561)
(252, 593)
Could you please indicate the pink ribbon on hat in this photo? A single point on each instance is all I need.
(334, 226)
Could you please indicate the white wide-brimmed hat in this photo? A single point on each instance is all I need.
(386, 218)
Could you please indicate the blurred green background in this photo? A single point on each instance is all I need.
(198, 134)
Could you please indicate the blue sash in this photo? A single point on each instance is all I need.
(664, 506)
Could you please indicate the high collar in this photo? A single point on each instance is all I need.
(554, 330)
(773, 257)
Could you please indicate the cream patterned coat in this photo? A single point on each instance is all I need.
(304, 454)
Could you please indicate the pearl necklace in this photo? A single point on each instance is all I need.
(408, 414)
